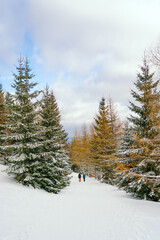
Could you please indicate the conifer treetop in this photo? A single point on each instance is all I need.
(146, 97)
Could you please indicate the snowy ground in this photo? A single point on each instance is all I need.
(83, 211)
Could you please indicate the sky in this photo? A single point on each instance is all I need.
(83, 49)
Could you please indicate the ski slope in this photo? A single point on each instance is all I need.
(84, 211)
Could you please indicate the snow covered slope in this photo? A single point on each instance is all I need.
(84, 211)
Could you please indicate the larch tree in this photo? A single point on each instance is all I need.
(116, 132)
(80, 151)
(85, 146)
(103, 144)
(75, 151)
(115, 123)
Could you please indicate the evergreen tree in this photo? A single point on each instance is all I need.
(103, 144)
(3, 116)
(146, 112)
(21, 127)
(128, 150)
(2, 109)
(128, 155)
(143, 180)
(53, 139)
(27, 162)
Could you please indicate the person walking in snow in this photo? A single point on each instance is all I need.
(79, 176)
(84, 177)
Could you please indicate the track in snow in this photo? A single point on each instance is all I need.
(88, 210)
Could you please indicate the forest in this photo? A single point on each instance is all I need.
(127, 153)
(34, 145)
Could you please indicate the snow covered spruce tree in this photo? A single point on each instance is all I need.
(128, 155)
(21, 127)
(146, 112)
(27, 162)
(144, 179)
(3, 116)
(2, 107)
(53, 144)
(127, 142)
(103, 145)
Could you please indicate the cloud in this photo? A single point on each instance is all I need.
(92, 48)
(12, 28)
(73, 35)
(79, 102)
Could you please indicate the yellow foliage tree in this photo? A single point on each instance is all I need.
(104, 142)
(79, 150)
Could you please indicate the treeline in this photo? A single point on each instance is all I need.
(33, 143)
(89, 149)
(32, 139)
(126, 154)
